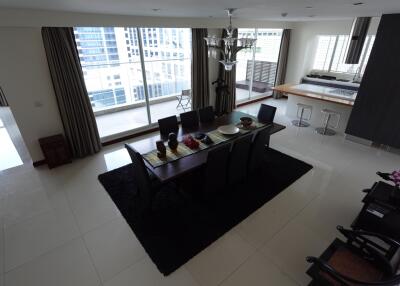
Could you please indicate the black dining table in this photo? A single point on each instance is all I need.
(184, 165)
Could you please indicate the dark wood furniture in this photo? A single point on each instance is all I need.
(187, 164)
(168, 125)
(216, 169)
(266, 113)
(206, 114)
(190, 119)
(258, 147)
(378, 213)
(366, 258)
(55, 150)
(237, 168)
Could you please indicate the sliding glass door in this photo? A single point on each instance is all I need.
(134, 76)
(256, 70)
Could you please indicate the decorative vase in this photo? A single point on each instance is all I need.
(172, 141)
(161, 149)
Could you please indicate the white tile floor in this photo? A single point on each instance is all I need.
(59, 227)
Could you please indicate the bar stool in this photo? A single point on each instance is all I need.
(328, 114)
(301, 108)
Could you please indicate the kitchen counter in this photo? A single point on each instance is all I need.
(316, 92)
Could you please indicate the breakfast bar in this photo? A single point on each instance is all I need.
(319, 97)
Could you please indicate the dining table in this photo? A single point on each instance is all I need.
(177, 168)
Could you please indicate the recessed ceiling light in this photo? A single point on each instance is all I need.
(358, 3)
(309, 7)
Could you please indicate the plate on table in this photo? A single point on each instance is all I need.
(228, 129)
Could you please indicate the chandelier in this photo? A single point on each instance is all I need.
(228, 46)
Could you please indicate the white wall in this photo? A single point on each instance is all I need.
(303, 44)
(25, 79)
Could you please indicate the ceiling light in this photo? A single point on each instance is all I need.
(358, 3)
(156, 9)
(231, 46)
(309, 7)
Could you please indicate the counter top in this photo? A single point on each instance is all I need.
(316, 92)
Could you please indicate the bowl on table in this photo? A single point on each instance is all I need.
(246, 121)
(228, 129)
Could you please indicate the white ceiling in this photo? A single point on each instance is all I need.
(248, 9)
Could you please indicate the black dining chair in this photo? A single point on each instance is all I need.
(215, 170)
(189, 120)
(258, 148)
(206, 114)
(266, 113)
(142, 179)
(168, 125)
(237, 169)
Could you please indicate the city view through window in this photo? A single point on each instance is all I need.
(256, 68)
(112, 69)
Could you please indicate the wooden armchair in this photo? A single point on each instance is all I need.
(365, 259)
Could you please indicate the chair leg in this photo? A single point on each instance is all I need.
(179, 102)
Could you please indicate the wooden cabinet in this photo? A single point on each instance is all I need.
(55, 150)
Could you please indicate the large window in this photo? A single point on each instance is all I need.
(256, 68)
(112, 60)
(331, 54)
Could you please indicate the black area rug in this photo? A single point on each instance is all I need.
(180, 227)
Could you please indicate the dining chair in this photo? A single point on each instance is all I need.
(189, 120)
(237, 169)
(215, 170)
(142, 179)
(266, 113)
(168, 125)
(258, 148)
(206, 114)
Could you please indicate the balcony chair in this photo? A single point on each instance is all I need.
(365, 259)
(186, 94)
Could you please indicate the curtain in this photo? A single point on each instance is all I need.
(226, 88)
(3, 99)
(73, 101)
(282, 61)
(200, 80)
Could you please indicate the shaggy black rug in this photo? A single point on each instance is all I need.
(180, 226)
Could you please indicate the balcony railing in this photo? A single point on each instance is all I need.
(114, 85)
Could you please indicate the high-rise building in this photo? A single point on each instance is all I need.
(110, 59)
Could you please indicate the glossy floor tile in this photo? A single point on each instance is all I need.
(60, 227)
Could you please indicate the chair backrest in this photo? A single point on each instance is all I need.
(168, 125)
(140, 175)
(206, 114)
(266, 113)
(186, 92)
(189, 119)
(237, 170)
(257, 151)
(215, 172)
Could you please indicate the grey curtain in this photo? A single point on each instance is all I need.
(282, 61)
(200, 80)
(73, 102)
(226, 91)
(3, 99)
